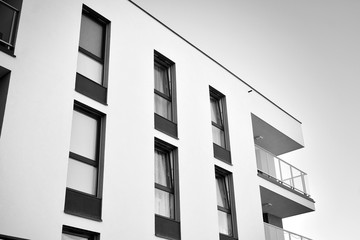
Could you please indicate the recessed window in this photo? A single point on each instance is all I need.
(164, 95)
(225, 203)
(220, 130)
(92, 57)
(167, 211)
(9, 20)
(85, 162)
(4, 86)
(71, 233)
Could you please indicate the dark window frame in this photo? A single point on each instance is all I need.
(227, 176)
(90, 206)
(84, 85)
(90, 235)
(222, 153)
(9, 47)
(166, 227)
(4, 87)
(163, 124)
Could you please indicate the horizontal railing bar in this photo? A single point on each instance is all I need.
(277, 174)
(8, 44)
(280, 159)
(286, 184)
(283, 230)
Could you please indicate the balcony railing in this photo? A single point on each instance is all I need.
(281, 171)
(7, 27)
(275, 233)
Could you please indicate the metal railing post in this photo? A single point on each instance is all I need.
(291, 184)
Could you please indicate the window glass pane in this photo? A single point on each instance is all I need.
(89, 68)
(6, 23)
(218, 136)
(72, 237)
(81, 176)
(162, 80)
(216, 115)
(162, 107)
(225, 223)
(222, 192)
(91, 36)
(164, 203)
(84, 135)
(163, 171)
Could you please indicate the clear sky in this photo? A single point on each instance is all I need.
(304, 56)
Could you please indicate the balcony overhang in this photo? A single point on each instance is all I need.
(273, 140)
(283, 203)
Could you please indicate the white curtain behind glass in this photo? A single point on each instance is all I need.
(83, 135)
(163, 85)
(223, 196)
(164, 201)
(65, 236)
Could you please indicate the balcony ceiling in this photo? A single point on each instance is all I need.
(272, 140)
(280, 206)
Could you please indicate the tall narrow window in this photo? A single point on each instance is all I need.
(4, 86)
(93, 55)
(9, 20)
(225, 204)
(219, 126)
(85, 162)
(164, 95)
(167, 219)
(71, 233)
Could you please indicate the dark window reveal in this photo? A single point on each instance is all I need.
(167, 210)
(220, 132)
(92, 57)
(84, 179)
(9, 20)
(164, 95)
(225, 204)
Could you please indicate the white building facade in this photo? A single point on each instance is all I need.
(112, 126)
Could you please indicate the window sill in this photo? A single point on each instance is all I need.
(82, 205)
(167, 228)
(7, 51)
(226, 237)
(166, 126)
(222, 154)
(91, 89)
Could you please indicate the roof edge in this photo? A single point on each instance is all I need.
(212, 59)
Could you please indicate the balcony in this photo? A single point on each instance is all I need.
(275, 233)
(281, 172)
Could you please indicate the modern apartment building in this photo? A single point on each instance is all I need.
(113, 126)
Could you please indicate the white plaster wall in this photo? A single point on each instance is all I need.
(35, 138)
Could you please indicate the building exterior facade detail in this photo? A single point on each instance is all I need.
(100, 142)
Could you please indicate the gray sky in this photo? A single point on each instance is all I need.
(304, 56)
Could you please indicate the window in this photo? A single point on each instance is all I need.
(225, 204)
(167, 212)
(84, 178)
(164, 95)
(9, 20)
(5, 237)
(93, 56)
(4, 86)
(220, 131)
(71, 233)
